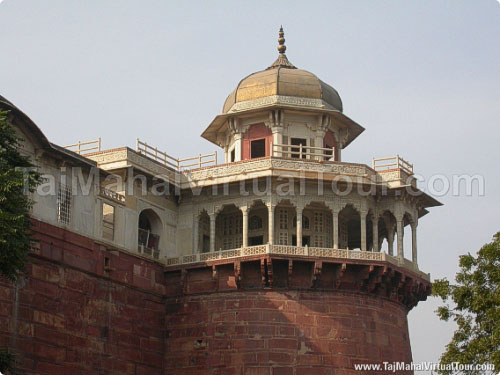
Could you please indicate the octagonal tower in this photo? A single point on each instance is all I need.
(286, 263)
(284, 259)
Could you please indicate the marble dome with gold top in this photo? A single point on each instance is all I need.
(282, 83)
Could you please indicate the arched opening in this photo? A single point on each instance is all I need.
(370, 218)
(317, 227)
(204, 232)
(407, 237)
(283, 223)
(257, 224)
(306, 222)
(229, 228)
(386, 230)
(349, 228)
(149, 232)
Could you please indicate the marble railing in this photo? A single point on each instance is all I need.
(312, 252)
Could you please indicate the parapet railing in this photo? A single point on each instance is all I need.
(312, 252)
(391, 163)
(302, 152)
(199, 161)
(298, 152)
(155, 154)
(87, 147)
(112, 195)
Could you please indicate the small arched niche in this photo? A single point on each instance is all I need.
(149, 228)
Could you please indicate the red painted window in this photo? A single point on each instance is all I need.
(256, 142)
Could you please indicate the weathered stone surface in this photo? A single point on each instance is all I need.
(70, 315)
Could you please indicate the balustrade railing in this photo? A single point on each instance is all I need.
(392, 163)
(303, 152)
(112, 195)
(148, 243)
(313, 252)
(199, 161)
(83, 148)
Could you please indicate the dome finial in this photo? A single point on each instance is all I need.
(282, 61)
(281, 41)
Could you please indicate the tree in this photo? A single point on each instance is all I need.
(7, 363)
(15, 204)
(15, 237)
(476, 309)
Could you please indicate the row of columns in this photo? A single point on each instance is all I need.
(335, 222)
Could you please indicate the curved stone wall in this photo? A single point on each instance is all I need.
(283, 332)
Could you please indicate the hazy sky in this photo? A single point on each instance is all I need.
(423, 78)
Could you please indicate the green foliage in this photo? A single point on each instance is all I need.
(15, 183)
(476, 308)
(7, 363)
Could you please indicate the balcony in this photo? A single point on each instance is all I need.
(148, 243)
(311, 253)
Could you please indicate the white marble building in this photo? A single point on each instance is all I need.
(283, 186)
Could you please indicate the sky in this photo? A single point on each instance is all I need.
(423, 78)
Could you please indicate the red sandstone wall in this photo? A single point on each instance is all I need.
(283, 333)
(72, 316)
(85, 309)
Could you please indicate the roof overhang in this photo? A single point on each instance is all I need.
(36, 135)
(219, 123)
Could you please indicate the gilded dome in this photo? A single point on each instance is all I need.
(282, 83)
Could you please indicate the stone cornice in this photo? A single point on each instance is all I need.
(289, 272)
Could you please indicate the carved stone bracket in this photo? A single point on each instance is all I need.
(215, 277)
(339, 274)
(316, 276)
(270, 272)
(362, 276)
(263, 272)
(375, 278)
(237, 274)
(184, 284)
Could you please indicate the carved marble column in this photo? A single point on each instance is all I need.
(335, 221)
(277, 140)
(237, 147)
(318, 142)
(363, 230)
(390, 236)
(414, 243)
(244, 211)
(375, 234)
(196, 234)
(270, 235)
(213, 216)
(400, 231)
(299, 226)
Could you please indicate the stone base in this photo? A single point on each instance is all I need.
(283, 333)
(86, 308)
